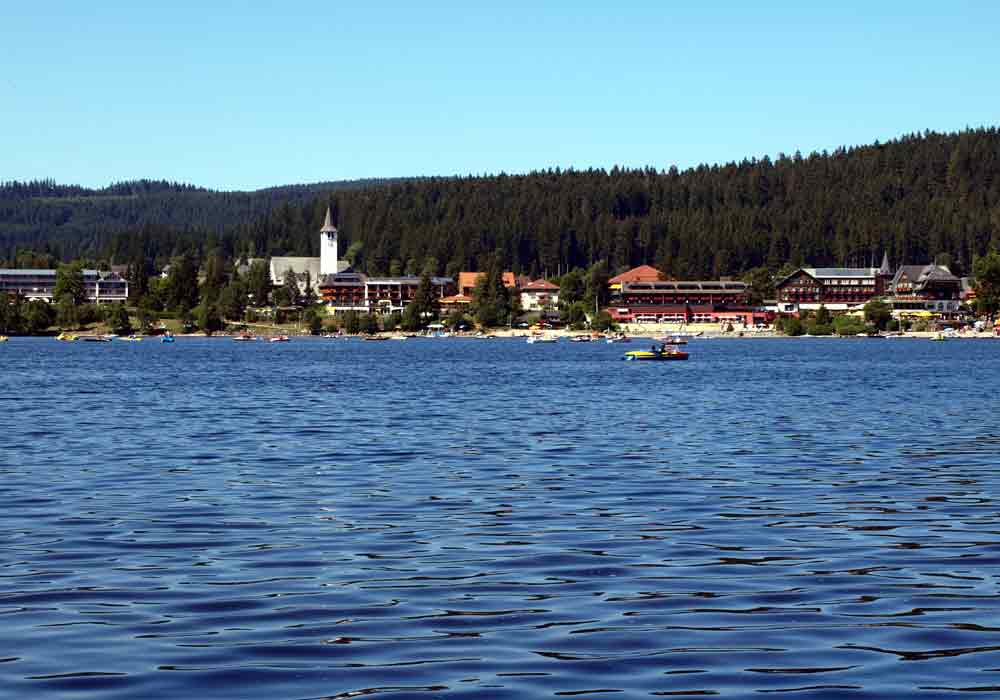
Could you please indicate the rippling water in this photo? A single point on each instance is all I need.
(459, 518)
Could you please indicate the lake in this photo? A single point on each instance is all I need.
(459, 518)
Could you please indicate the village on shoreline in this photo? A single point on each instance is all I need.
(288, 296)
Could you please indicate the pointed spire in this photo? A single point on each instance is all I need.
(885, 269)
(328, 226)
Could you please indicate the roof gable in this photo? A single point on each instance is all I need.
(643, 273)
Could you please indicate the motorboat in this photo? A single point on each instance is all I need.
(131, 339)
(94, 339)
(278, 339)
(660, 355)
(66, 337)
(243, 337)
(542, 339)
(674, 340)
(168, 338)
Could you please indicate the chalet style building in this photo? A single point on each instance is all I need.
(836, 288)
(925, 288)
(911, 287)
(99, 287)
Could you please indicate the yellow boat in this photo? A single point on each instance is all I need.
(131, 339)
(3, 339)
(67, 337)
(656, 355)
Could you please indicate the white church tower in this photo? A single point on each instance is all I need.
(328, 247)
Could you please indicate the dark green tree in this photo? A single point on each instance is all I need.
(209, 319)
(878, 313)
(987, 286)
(118, 319)
(258, 283)
(69, 284)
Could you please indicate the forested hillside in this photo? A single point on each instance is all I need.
(916, 197)
(76, 222)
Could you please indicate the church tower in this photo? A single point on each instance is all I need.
(328, 247)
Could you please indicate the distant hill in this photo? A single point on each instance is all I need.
(919, 197)
(74, 221)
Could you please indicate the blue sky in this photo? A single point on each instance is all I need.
(244, 95)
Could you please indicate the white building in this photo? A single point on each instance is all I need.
(539, 295)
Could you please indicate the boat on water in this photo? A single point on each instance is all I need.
(399, 337)
(278, 339)
(620, 338)
(244, 337)
(375, 337)
(94, 339)
(579, 339)
(131, 339)
(674, 340)
(66, 337)
(168, 338)
(3, 339)
(661, 354)
(542, 339)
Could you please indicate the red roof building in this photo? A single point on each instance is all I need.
(467, 281)
(643, 273)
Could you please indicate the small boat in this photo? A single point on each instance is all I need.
(132, 339)
(94, 339)
(542, 339)
(168, 338)
(278, 339)
(66, 337)
(3, 339)
(399, 337)
(579, 339)
(667, 355)
(674, 340)
(375, 337)
(621, 338)
(243, 337)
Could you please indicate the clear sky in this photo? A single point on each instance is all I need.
(238, 95)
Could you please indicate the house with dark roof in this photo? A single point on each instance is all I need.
(925, 288)
(836, 288)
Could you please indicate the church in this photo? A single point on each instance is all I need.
(310, 272)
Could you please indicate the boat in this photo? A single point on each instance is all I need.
(94, 339)
(243, 337)
(3, 339)
(542, 339)
(375, 337)
(674, 340)
(66, 337)
(660, 355)
(278, 339)
(109, 336)
(132, 339)
(621, 338)
(168, 338)
(939, 337)
(579, 339)
(399, 337)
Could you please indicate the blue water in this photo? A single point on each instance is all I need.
(490, 519)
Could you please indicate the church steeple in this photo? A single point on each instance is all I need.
(885, 269)
(328, 226)
(328, 246)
